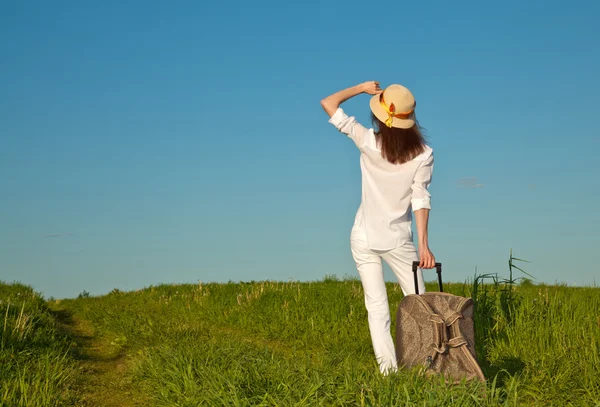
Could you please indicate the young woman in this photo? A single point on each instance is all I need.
(396, 166)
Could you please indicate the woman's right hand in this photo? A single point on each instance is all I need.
(371, 87)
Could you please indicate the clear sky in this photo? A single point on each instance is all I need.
(144, 142)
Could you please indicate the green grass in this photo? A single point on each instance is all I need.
(273, 343)
(36, 368)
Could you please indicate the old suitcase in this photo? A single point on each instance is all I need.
(435, 330)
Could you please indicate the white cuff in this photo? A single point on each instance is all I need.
(420, 204)
(337, 118)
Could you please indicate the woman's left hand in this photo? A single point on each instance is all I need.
(426, 257)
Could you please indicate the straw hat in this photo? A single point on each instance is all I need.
(395, 107)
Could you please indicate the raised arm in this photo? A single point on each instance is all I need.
(331, 103)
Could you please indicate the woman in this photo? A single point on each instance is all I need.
(396, 166)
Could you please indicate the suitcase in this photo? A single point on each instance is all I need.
(435, 331)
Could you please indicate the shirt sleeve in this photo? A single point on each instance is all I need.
(421, 198)
(349, 126)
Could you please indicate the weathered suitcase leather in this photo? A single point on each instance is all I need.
(435, 330)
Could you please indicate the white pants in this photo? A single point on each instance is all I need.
(370, 268)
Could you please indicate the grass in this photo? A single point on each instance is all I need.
(270, 343)
(36, 368)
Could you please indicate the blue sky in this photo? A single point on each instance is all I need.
(151, 142)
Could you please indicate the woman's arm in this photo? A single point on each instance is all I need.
(421, 205)
(426, 258)
(331, 103)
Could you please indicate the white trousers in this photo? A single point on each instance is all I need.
(370, 268)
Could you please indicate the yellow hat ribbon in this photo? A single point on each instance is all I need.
(391, 111)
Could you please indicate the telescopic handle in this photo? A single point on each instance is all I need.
(438, 269)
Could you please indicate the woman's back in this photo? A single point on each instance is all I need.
(389, 191)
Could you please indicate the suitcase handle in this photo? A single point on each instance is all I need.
(438, 269)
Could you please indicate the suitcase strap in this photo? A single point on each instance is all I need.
(447, 335)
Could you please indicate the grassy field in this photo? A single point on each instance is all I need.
(36, 366)
(286, 344)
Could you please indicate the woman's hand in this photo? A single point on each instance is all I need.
(371, 87)
(332, 102)
(427, 258)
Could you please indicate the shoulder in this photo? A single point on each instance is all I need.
(427, 154)
(350, 126)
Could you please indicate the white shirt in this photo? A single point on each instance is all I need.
(389, 191)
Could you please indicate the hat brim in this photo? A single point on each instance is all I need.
(382, 115)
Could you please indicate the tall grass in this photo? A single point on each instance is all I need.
(269, 343)
(35, 368)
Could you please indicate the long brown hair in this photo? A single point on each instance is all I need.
(398, 145)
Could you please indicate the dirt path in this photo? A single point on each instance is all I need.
(104, 379)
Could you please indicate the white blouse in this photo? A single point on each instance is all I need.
(389, 191)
